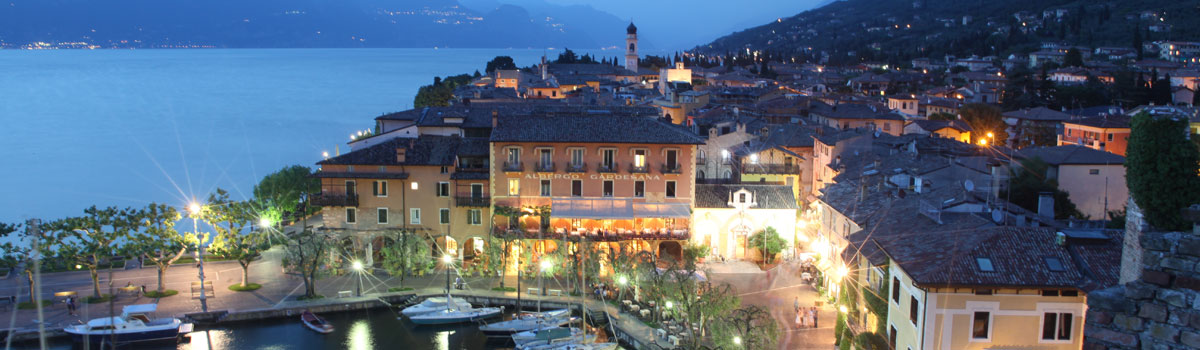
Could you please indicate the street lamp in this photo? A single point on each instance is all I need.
(195, 210)
(545, 265)
(358, 268)
(447, 260)
(264, 222)
(737, 340)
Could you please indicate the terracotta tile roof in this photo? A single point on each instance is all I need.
(425, 150)
(591, 128)
(1069, 155)
(767, 196)
(1038, 114)
(1117, 121)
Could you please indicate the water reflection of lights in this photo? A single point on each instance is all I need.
(210, 339)
(359, 336)
(441, 340)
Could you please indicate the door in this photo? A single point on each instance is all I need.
(672, 158)
(476, 191)
(351, 189)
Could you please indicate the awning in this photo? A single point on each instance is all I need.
(662, 210)
(598, 209)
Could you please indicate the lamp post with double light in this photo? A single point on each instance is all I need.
(195, 209)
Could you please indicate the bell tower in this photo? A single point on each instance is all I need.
(631, 42)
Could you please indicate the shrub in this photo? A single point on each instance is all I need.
(400, 289)
(165, 293)
(237, 287)
(1160, 170)
(25, 305)
(102, 299)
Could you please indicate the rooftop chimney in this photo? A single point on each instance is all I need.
(400, 151)
(1046, 204)
(495, 118)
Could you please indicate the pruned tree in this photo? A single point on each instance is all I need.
(751, 325)
(234, 241)
(157, 241)
(408, 253)
(92, 239)
(283, 188)
(768, 242)
(307, 251)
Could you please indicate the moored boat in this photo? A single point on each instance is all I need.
(316, 323)
(434, 304)
(452, 315)
(528, 321)
(545, 333)
(135, 324)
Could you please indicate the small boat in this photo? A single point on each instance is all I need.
(528, 321)
(433, 304)
(134, 325)
(544, 333)
(316, 323)
(556, 338)
(452, 315)
(585, 346)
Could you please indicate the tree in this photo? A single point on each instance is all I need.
(92, 239)
(20, 252)
(158, 241)
(752, 325)
(282, 189)
(307, 251)
(1160, 169)
(10, 254)
(500, 63)
(768, 242)
(234, 241)
(984, 118)
(1137, 43)
(408, 253)
(695, 301)
(942, 116)
(567, 56)
(1073, 58)
(1030, 180)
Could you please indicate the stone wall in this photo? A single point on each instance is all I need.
(1158, 307)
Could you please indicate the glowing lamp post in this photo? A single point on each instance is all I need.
(737, 340)
(448, 260)
(545, 267)
(358, 269)
(195, 210)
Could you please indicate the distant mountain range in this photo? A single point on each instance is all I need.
(898, 30)
(302, 23)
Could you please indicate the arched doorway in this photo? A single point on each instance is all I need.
(472, 248)
(670, 249)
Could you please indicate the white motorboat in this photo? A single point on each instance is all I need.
(451, 315)
(585, 346)
(555, 341)
(134, 325)
(544, 333)
(528, 321)
(434, 304)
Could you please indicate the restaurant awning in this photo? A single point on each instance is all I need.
(598, 209)
(662, 210)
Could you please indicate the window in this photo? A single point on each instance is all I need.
(888, 126)
(896, 290)
(608, 157)
(639, 189)
(577, 188)
(379, 188)
(981, 325)
(984, 292)
(1057, 326)
(639, 157)
(445, 169)
(476, 190)
(1070, 293)
(892, 336)
(985, 264)
(474, 217)
(514, 187)
(514, 155)
(1049, 292)
(577, 157)
(443, 189)
(351, 215)
(547, 158)
(443, 216)
(1110, 137)
(670, 189)
(741, 198)
(1093, 171)
(672, 158)
(350, 188)
(608, 188)
(383, 215)
(414, 216)
(414, 186)
(914, 307)
(1055, 264)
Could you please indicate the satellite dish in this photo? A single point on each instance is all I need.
(969, 185)
(997, 216)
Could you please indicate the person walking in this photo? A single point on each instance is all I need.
(796, 304)
(814, 317)
(799, 319)
(71, 305)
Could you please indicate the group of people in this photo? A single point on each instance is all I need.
(806, 317)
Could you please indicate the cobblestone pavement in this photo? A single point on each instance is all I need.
(776, 290)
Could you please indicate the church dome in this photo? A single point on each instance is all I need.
(631, 29)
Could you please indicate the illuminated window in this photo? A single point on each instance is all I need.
(379, 188)
(639, 158)
(514, 187)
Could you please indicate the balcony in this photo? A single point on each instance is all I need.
(576, 168)
(607, 168)
(334, 199)
(544, 167)
(514, 167)
(765, 168)
(671, 169)
(636, 169)
(595, 235)
(473, 201)
(700, 160)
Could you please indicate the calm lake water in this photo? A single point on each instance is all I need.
(128, 127)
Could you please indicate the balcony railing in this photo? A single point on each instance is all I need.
(576, 168)
(638, 169)
(700, 160)
(544, 167)
(334, 199)
(671, 169)
(514, 166)
(764, 168)
(473, 201)
(607, 168)
(594, 235)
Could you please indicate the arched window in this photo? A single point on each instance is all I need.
(727, 174)
(631, 47)
(700, 174)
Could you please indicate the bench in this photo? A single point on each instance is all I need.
(555, 292)
(207, 289)
(345, 293)
(532, 291)
(129, 290)
(60, 297)
(7, 301)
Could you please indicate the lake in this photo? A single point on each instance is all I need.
(130, 127)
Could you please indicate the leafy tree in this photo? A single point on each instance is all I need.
(1160, 170)
(693, 252)
(10, 256)
(282, 189)
(1036, 135)
(695, 301)
(231, 219)
(1030, 180)
(158, 241)
(942, 116)
(21, 253)
(752, 324)
(409, 253)
(1073, 58)
(984, 118)
(308, 250)
(500, 63)
(567, 56)
(92, 239)
(769, 242)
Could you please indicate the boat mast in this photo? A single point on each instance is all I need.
(583, 283)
